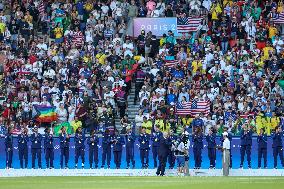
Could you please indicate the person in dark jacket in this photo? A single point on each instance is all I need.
(79, 140)
(36, 139)
(262, 148)
(64, 138)
(277, 146)
(172, 158)
(163, 152)
(106, 145)
(23, 139)
(49, 149)
(197, 140)
(9, 148)
(246, 142)
(93, 142)
(211, 141)
(129, 141)
(144, 140)
(156, 135)
(117, 141)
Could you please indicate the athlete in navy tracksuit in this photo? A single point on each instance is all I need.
(79, 146)
(246, 142)
(106, 144)
(197, 140)
(277, 146)
(262, 148)
(117, 141)
(93, 142)
(36, 139)
(171, 157)
(48, 148)
(129, 141)
(64, 147)
(9, 148)
(211, 140)
(156, 135)
(230, 137)
(23, 139)
(144, 139)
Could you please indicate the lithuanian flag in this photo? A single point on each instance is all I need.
(46, 114)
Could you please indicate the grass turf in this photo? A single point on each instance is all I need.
(141, 182)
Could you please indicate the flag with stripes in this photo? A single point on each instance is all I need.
(279, 18)
(78, 38)
(188, 24)
(193, 107)
(171, 63)
(41, 8)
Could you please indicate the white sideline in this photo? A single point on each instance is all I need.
(133, 172)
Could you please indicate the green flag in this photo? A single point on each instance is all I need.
(57, 128)
(281, 83)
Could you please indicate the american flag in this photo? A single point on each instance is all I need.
(171, 63)
(41, 8)
(279, 18)
(188, 24)
(78, 38)
(193, 107)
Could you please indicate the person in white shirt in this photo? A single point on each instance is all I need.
(226, 154)
(278, 44)
(49, 73)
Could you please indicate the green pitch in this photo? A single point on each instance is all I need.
(142, 182)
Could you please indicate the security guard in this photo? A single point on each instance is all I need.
(106, 144)
(79, 146)
(117, 141)
(171, 157)
(49, 149)
(144, 139)
(156, 143)
(229, 136)
(36, 139)
(129, 140)
(211, 140)
(262, 147)
(23, 139)
(277, 146)
(9, 148)
(246, 142)
(197, 140)
(64, 138)
(163, 152)
(93, 142)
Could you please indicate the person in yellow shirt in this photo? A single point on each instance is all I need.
(259, 122)
(272, 31)
(2, 26)
(267, 51)
(101, 57)
(274, 121)
(163, 40)
(259, 62)
(75, 124)
(186, 121)
(215, 11)
(58, 32)
(196, 64)
(147, 124)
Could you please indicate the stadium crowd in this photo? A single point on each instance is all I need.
(76, 56)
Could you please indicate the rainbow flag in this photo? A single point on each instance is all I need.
(46, 114)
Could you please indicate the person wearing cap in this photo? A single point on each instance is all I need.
(277, 146)
(129, 145)
(117, 141)
(23, 139)
(79, 140)
(36, 139)
(262, 148)
(144, 140)
(226, 146)
(211, 140)
(156, 136)
(48, 148)
(9, 148)
(246, 142)
(64, 138)
(93, 142)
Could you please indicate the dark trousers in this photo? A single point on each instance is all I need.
(130, 155)
(93, 156)
(155, 155)
(138, 86)
(106, 155)
(246, 149)
(278, 151)
(23, 155)
(9, 157)
(162, 165)
(36, 153)
(64, 155)
(212, 156)
(117, 158)
(262, 153)
(49, 157)
(80, 151)
(144, 156)
(122, 111)
(197, 157)
(171, 159)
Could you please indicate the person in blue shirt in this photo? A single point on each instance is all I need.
(93, 142)
(156, 135)
(106, 145)
(197, 139)
(129, 141)
(230, 136)
(36, 139)
(144, 140)
(23, 139)
(49, 149)
(211, 140)
(64, 138)
(79, 140)
(246, 142)
(262, 148)
(9, 148)
(178, 73)
(171, 157)
(197, 122)
(171, 97)
(277, 145)
(117, 141)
